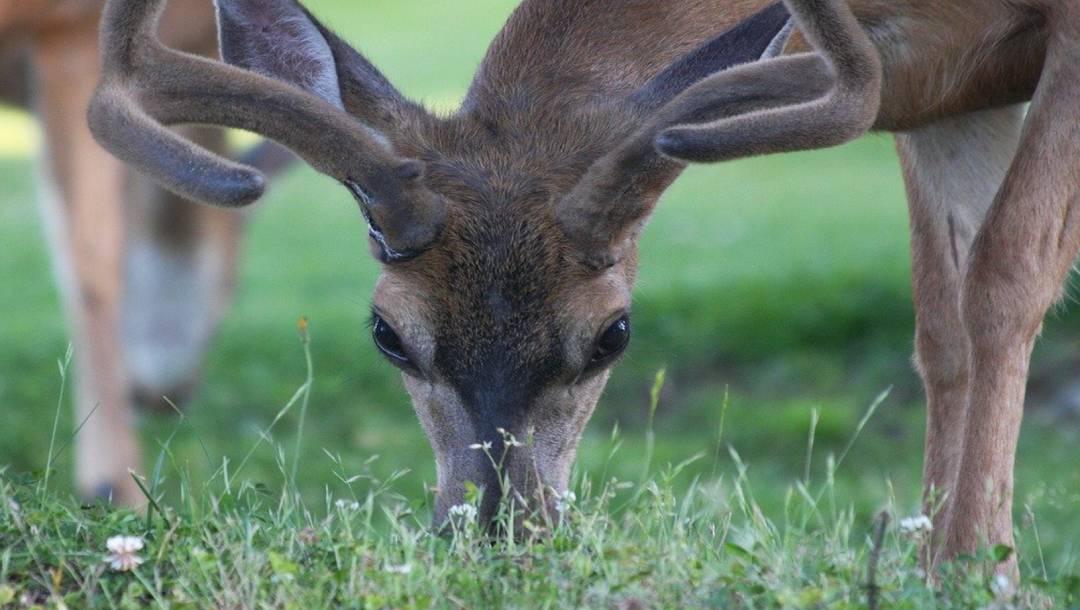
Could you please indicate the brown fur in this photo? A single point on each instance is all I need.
(1014, 272)
(550, 168)
(953, 170)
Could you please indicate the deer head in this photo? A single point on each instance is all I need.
(507, 230)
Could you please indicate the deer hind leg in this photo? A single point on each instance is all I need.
(952, 169)
(85, 222)
(1019, 261)
(180, 268)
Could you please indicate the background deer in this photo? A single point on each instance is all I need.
(144, 276)
(508, 230)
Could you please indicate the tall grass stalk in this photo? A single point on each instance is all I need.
(305, 341)
(650, 426)
(63, 366)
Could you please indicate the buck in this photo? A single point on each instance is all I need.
(143, 274)
(508, 230)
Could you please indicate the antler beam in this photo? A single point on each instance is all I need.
(147, 86)
(778, 104)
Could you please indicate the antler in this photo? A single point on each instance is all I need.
(147, 86)
(846, 110)
(781, 104)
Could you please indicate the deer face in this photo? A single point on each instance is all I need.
(507, 231)
(504, 333)
(501, 334)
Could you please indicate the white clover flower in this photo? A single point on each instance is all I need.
(509, 440)
(123, 553)
(1002, 587)
(347, 505)
(485, 446)
(466, 512)
(563, 501)
(916, 525)
(404, 568)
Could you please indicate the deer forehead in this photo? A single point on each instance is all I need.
(501, 287)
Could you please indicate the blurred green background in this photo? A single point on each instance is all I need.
(782, 283)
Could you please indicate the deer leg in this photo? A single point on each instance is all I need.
(1019, 261)
(85, 222)
(952, 169)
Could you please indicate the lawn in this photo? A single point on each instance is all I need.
(775, 292)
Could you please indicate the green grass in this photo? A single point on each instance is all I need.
(663, 539)
(780, 283)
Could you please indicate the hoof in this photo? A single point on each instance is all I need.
(115, 494)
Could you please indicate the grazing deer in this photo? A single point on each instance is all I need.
(143, 274)
(508, 230)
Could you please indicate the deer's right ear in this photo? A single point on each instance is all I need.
(279, 39)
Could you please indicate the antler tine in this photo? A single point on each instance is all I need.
(778, 104)
(124, 129)
(147, 86)
(845, 111)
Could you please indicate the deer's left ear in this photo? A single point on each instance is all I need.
(279, 39)
(760, 36)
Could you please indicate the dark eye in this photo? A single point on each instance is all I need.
(388, 342)
(611, 343)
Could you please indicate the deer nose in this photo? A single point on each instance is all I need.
(496, 464)
(476, 468)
